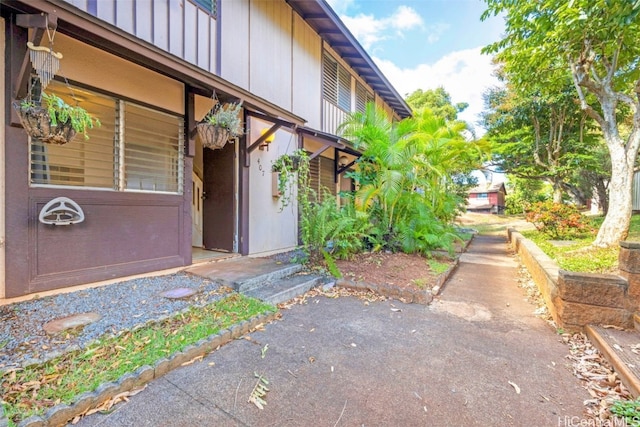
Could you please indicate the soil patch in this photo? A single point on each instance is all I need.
(405, 271)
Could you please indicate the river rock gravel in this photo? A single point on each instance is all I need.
(121, 306)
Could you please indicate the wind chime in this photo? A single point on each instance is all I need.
(45, 61)
(34, 116)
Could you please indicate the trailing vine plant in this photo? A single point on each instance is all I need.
(293, 173)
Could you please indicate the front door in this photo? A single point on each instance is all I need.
(196, 212)
(219, 224)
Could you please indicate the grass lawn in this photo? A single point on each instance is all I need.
(34, 389)
(578, 257)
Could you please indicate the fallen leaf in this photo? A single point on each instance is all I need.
(515, 386)
(395, 309)
(617, 347)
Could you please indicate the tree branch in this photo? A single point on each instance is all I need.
(614, 63)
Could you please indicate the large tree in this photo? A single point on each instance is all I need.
(438, 101)
(596, 42)
(539, 137)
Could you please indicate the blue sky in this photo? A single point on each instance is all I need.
(424, 44)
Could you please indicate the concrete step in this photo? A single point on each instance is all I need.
(283, 271)
(283, 289)
(244, 273)
(616, 346)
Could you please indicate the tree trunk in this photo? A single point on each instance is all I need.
(615, 227)
(557, 192)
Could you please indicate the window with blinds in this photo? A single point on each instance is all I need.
(336, 83)
(321, 176)
(363, 97)
(136, 148)
(151, 150)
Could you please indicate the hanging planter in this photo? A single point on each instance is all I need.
(54, 121)
(220, 126)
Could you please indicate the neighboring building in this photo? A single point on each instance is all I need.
(150, 70)
(487, 198)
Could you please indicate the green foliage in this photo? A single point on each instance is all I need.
(226, 116)
(557, 220)
(410, 177)
(438, 101)
(629, 410)
(580, 256)
(340, 231)
(61, 112)
(288, 167)
(34, 389)
(524, 192)
(438, 267)
(592, 43)
(331, 264)
(540, 136)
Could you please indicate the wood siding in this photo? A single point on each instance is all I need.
(307, 73)
(270, 51)
(177, 26)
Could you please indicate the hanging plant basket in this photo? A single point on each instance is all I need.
(221, 125)
(213, 136)
(37, 123)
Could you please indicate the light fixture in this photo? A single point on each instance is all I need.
(268, 140)
(343, 161)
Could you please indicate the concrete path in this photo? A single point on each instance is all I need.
(476, 357)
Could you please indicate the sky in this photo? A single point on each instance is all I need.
(424, 44)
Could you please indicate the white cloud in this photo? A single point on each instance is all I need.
(340, 6)
(368, 29)
(435, 31)
(465, 74)
(404, 18)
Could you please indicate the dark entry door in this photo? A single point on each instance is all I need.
(218, 226)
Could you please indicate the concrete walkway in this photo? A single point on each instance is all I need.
(476, 357)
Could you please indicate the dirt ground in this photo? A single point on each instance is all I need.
(399, 269)
(413, 271)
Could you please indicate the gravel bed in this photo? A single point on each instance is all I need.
(122, 306)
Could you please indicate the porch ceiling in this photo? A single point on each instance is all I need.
(319, 15)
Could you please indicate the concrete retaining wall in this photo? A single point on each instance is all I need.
(579, 299)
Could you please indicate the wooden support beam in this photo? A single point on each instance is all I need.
(40, 23)
(264, 137)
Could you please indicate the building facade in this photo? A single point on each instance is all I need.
(150, 70)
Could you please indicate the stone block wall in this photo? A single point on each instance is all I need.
(579, 299)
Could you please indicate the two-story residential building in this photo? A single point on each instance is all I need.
(150, 70)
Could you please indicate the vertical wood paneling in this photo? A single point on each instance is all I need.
(270, 44)
(176, 26)
(332, 117)
(203, 31)
(144, 20)
(107, 11)
(80, 4)
(234, 19)
(190, 32)
(124, 15)
(307, 73)
(161, 24)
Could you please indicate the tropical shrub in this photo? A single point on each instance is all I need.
(557, 220)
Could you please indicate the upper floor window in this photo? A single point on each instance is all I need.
(136, 149)
(336, 83)
(363, 97)
(207, 5)
(482, 196)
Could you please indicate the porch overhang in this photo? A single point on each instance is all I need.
(95, 32)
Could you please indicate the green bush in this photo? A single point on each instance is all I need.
(558, 221)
